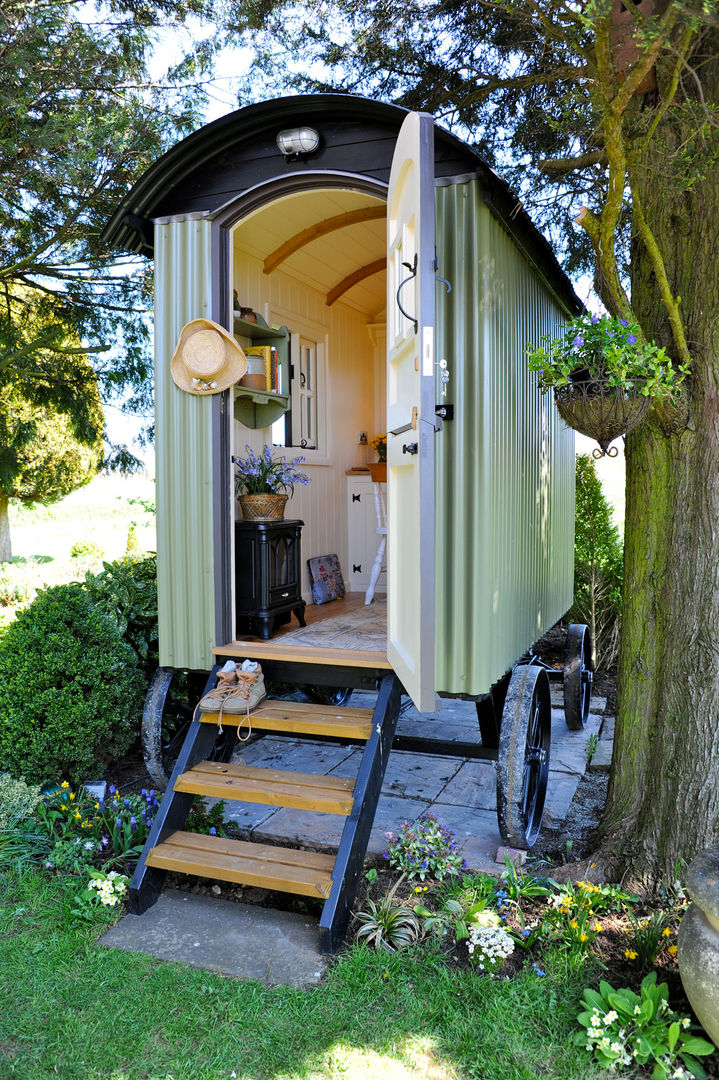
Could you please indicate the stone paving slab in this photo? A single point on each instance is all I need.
(462, 793)
(244, 940)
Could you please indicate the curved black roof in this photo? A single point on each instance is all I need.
(220, 161)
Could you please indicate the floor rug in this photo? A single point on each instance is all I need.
(365, 628)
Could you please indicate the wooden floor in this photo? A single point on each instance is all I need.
(246, 645)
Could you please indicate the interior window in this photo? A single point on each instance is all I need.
(298, 427)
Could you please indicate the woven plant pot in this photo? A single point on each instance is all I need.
(601, 411)
(265, 507)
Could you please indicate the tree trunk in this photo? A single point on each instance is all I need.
(5, 548)
(663, 797)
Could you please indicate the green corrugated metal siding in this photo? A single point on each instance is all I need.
(505, 464)
(183, 440)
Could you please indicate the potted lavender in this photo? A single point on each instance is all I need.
(264, 483)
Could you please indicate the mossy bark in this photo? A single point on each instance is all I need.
(663, 798)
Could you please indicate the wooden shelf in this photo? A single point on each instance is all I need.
(260, 408)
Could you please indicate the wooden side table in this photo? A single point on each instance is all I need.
(268, 575)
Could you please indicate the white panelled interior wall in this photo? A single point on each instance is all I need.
(354, 357)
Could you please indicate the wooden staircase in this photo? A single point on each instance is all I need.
(327, 877)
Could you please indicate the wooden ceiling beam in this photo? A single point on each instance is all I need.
(321, 228)
(352, 279)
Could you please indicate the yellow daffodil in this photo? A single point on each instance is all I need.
(666, 932)
(64, 784)
(630, 954)
(71, 796)
(672, 950)
(582, 937)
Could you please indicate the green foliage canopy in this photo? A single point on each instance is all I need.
(80, 119)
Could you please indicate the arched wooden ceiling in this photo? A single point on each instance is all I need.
(332, 239)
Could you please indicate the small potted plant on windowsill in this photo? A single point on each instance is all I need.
(264, 483)
(604, 376)
(378, 469)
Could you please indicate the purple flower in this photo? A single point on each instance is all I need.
(213, 831)
(631, 339)
(104, 841)
(579, 340)
(113, 789)
(624, 322)
(118, 822)
(595, 319)
(133, 824)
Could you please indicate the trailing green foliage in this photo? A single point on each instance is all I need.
(126, 591)
(598, 565)
(70, 691)
(599, 348)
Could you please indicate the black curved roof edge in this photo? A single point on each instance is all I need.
(136, 209)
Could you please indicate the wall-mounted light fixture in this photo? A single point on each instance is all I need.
(296, 142)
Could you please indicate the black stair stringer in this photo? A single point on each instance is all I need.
(174, 809)
(356, 832)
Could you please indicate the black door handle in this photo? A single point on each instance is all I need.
(410, 448)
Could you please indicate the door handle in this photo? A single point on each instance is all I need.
(410, 448)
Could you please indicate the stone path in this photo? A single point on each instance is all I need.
(460, 792)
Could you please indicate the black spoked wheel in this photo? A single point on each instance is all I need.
(523, 758)
(166, 717)
(577, 676)
(336, 696)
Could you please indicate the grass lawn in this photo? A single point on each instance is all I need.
(74, 1009)
(43, 537)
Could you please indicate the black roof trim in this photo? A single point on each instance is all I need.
(129, 228)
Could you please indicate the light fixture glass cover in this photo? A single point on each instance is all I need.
(295, 141)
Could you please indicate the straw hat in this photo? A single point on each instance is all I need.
(207, 359)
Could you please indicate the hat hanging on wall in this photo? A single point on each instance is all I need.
(207, 359)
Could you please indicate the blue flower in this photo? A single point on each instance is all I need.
(118, 822)
(579, 340)
(213, 830)
(595, 319)
(113, 789)
(631, 339)
(537, 969)
(526, 932)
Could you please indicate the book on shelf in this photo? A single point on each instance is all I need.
(265, 352)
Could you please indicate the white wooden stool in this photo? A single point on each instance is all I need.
(380, 509)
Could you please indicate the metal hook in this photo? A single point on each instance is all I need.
(444, 282)
(412, 267)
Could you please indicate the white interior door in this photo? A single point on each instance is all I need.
(410, 409)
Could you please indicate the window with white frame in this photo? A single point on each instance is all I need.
(302, 425)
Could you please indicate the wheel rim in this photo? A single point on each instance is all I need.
(165, 723)
(578, 676)
(337, 696)
(523, 759)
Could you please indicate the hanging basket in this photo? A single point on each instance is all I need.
(265, 507)
(601, 411)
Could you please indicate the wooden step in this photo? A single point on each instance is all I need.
(305, 873)
(273, 787)
(301, 718)
(304, 654)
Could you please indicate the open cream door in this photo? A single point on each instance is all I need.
(410, 409)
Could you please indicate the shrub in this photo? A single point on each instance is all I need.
(70, 692)
(126, 591)
(598, 565)
(15, 586)
(17, 800)
(83, 549)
